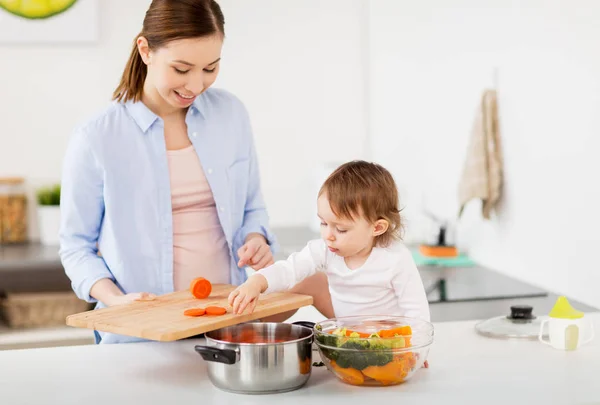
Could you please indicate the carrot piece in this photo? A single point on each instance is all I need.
(215, 311)
(360, 334)
(391, 373)
(349, 375)
(194, 312)
(401, 330)
(200, 287)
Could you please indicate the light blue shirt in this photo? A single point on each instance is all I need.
(116, 195)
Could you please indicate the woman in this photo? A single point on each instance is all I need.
(164, 182)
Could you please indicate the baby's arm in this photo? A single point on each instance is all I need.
(409, 288)
(284, 274)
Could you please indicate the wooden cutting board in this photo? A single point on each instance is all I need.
(162, 319)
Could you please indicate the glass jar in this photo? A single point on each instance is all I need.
(13, 210)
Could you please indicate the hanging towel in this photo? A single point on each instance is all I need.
(482, 171)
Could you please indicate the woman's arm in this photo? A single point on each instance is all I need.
(256, 219)
(81, 211)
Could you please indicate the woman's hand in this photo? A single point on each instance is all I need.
(246, 295)
(255, 252)
(129, 298)
(106, 291)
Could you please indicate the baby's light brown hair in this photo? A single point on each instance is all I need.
(360, 188)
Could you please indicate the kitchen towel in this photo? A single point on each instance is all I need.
(482, 171)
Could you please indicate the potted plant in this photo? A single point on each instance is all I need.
(48, 199)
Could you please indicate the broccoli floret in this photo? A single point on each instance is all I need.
(356, 360)
(330, 354)
(360, 353)
(328, 340)
(331, 341)
(344, 359)
(356, 344)
(360, 361)
(379, 358)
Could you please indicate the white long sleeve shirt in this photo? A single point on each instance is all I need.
(388, 283)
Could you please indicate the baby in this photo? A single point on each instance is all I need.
(370, 271)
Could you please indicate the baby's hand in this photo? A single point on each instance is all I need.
(246, 295)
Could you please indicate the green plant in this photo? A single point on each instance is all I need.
(49, 195)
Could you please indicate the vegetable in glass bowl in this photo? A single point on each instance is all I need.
(374, 350)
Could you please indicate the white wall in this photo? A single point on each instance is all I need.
(430, 62)
(298, 66)
(46, 90)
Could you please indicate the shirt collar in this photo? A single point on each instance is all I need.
(144, 117)
(141, 114)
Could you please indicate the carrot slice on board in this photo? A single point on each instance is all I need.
(215, 311)
(194, 312)
(200, 287)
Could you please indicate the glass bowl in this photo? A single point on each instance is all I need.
(374, 350)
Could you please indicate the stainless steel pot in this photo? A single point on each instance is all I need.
(281, 360)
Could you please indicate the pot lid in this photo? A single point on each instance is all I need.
(521, 323)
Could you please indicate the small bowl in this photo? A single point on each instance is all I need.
(374, 350)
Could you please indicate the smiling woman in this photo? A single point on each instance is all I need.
(165, 181)
(36, 9)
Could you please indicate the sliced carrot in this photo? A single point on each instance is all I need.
(194, 312)
(200, 287)
(215, 311)
(349, 375)
(401, 330)
(392, 373)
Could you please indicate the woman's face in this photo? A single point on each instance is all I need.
(181, 70)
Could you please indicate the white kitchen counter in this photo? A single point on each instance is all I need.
(464, 368)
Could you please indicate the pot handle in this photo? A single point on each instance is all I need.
(225, 356)
(306, 324)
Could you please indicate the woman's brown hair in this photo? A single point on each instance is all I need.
(360, 188)
(165, 21)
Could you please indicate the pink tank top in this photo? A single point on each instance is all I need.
(199, 245)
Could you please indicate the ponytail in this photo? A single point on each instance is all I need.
(132, 81)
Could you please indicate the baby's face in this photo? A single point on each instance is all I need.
(345, 237)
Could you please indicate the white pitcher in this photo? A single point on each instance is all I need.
(568, 328)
